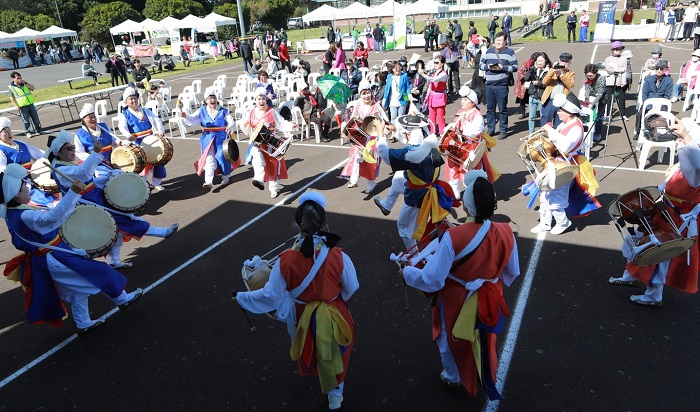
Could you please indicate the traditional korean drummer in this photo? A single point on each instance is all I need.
(61, 154)
(217, 125)
(135, 123)
(92, 131)
(576, 198)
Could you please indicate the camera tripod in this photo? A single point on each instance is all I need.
(609, 119)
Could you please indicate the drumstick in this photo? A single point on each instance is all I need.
(59, 172)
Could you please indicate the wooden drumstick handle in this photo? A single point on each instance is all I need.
(59, 172)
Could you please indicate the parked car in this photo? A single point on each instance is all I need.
(295, 23)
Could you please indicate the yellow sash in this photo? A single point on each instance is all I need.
(430, 206)
(465, 328)
(586, 176)
(331, 330)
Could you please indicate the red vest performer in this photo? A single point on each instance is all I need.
(682, 190)
(308, 287)
(467, 271)
(266, 167)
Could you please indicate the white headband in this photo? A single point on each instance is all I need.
(61, 139)
(468, 196)
(11, 184)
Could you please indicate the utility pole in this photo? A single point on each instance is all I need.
(58, 12)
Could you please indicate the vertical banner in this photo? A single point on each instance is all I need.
(399, 32)
(606, 21)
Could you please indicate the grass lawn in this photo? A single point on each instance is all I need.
(105, 82)
(479, 23)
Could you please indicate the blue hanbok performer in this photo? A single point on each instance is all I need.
(138, 122)
(93, 130)
(217, 124)
(427, 200)
(62, 157)
(23, 154)
(49, 269)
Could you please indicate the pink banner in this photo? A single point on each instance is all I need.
(143, 51)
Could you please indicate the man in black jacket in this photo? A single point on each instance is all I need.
(141, 76)
(378, 35)
(246, 54)
(457, 32)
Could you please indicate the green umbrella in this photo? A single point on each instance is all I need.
(333, 88)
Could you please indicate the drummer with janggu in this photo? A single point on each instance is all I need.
(92, 130)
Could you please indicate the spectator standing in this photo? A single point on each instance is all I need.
(13, 54)
(689, 17)
(521, 92)
(478, 83)
(491, 27)
(457, 32)
(121, 66)
(396, 92)
(142, 80)
(499, 63)
(435, 35)
(558, 80)
(473, 43)
(583, 22)
(247, 55)
(549, 29)
(593, 93)
(214, 49)
(571, 21)
(330, 34)
(158, 61)
(339, 62)
(329, 57)
(378, 35)
(258, 45)
(670, 20)
(284, 56)
(436, 97)
(22, 98)
(628, 15)
(533, 83)
(355, 36)
(507, 26)
(274, 53)
(452, 55)
(282, 35)
(360, 54)
(111, 68)
(680, 13)
(426, 36)
(616, 67)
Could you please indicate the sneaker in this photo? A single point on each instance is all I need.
(641, 300)
(378, 202)
(674, 99)
(207, 186)
(540, 228)
(274, 194)
(368, 191)
(597, 137)
(260, 185)
(625, 118)
(558, 230)
(224, 180)
(157, 188)
(502, 137)
(118, 265)
(136, 296)
(97, 324)
(334, 402)
(443, 378)
(29, 135)
(171, 230)
(352, 185)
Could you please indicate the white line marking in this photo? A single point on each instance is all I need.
(172, 273)
(595, 49)
(516, 320)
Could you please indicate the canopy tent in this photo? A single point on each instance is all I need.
(354, 11)
(150, 24)
(10, 38)
(27, 34)
(127, 26)
(322, 13)
(426, 7)
(55, 31)
(388, 8)
(191, 22)
(169, 23)
(219, 20)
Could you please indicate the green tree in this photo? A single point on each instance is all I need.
(13, 20)
(231, 10)
(160, 9)
(42, 22)
(274, 12)
(99, 19)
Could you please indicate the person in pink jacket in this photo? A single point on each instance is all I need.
(339, 62)
(689, 75)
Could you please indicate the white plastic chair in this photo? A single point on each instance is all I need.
(300, 47)
(335, 71)
(364, 71)
(313, 77)
(197, 86)
(663, 108)
(101, 111)
(298, 119)
(239, 115)
(292, 96)
(222, 79)
(280, 75)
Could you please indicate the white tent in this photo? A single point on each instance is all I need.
(426, 7)
(354, 11)
(150, 24)
(169, 22)
(388, 8)
(128, 26)
(55, 31)
(219, 20)
(7, 37)
(27, 34)
(322, 13)
(191, 22)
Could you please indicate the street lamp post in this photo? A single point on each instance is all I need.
(58, 12)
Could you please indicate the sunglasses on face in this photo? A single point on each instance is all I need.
(616, 49)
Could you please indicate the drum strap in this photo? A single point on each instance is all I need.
(286, 311)
(213, 129)
(465, 254)
(51, 246)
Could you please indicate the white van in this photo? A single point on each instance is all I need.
(294, 23)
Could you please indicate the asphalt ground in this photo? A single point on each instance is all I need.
(573, 342)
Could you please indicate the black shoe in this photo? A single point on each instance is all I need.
(325, 139)
(137, 296)
(95, 325)
(260, 185)
(502, 137)
(378, 202)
